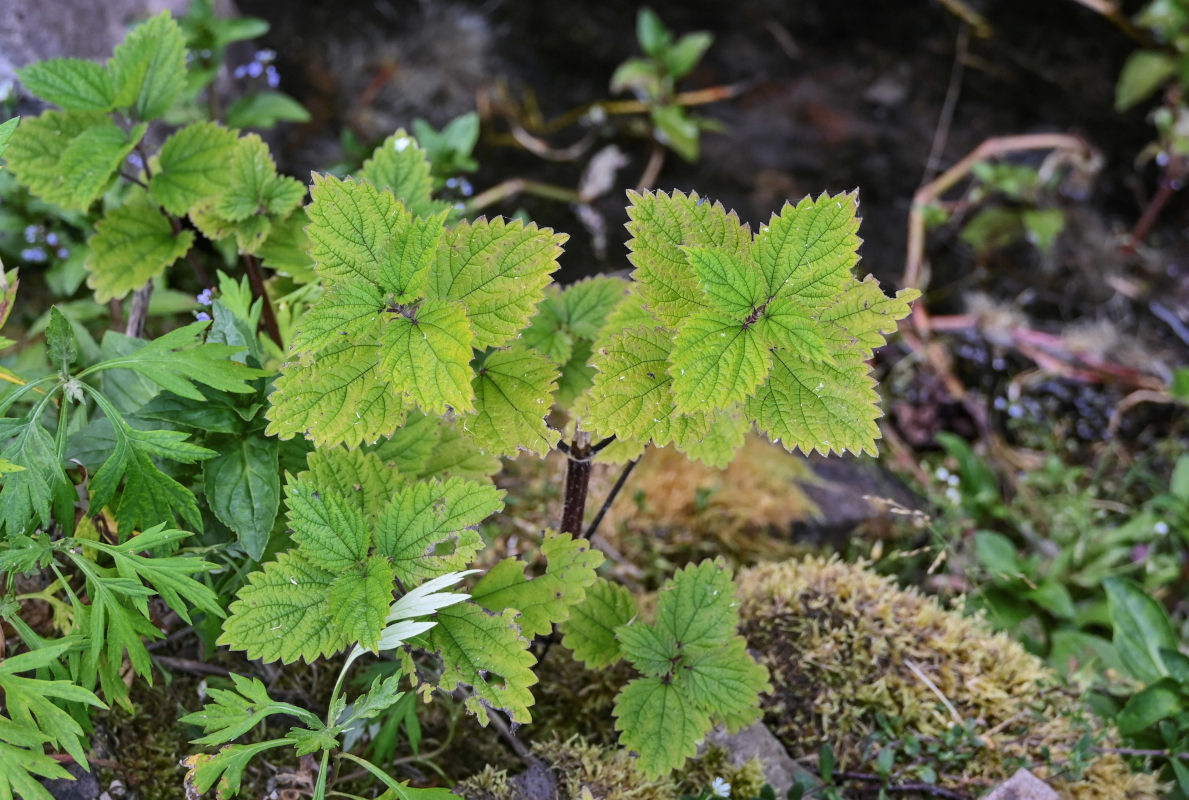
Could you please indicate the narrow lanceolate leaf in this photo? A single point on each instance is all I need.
(148, 69)
(401, 166)
(72, 84)
(427, 529)
(513, 393)
(658, 722)
(662, 226)
(192, 166)
(545, 599)
(243, 489)
(347, 312)
(809, 250)
(486, 654)
(631, 397)
(340, 399)
(281, 615)
(863, 315)
(732, 284)
(327, 524)
(35, 151)
(813, 405)
(590, 630)
(255, 188)
(132, 244)
(724, 681)
(90, 161)
(425, 354)
(359, 599)
(717, 361)
(498, 270)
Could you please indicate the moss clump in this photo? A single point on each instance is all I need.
(861, 664)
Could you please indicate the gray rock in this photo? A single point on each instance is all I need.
(757, 741)
(1023, 786)
(83, 787)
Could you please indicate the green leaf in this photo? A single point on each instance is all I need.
(652, 34)
(1141, 629)
(513, 394)
(651, 651)
(326, 525)
(72, 84)
(91, 159)
(231, 713)
(1143, 73)
(170, 576)
(677, 129)
(425, 354)
(369, 482)
(243, 489)
(732, 285)
(726, 682)
(349, 312)
(282, 613)
(813, 405)
(255, 188)
(1161, 700)
(662, 227)
(348, 229)
(264, 110)
(7, 129)
(809, 250)
(698, 608)
(36, 149)
(192, 166)
(60, 340)
(862, 315)
(631, 397)
(590, 629)
(179, 359)
(340, 399)
(684, 55)
(359, 599)
(427, 528)
(545, 599)
(716, 362)
(486, 654)
(401, 166)
(498, 270)
(657, 721)
(131, 245)
(148, 68)
(225, 767)
(26, 494)
(643, 76)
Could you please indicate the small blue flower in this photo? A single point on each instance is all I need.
(204, 297)
(203, 316)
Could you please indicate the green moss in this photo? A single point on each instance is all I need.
(861, 664)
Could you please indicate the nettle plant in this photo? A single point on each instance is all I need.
(418, 350)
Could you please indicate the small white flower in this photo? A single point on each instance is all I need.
(1161, 528)
(720, 788)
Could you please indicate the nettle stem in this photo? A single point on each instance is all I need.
(577, 483)
(269, 317)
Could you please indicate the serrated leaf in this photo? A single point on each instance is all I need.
(254, 188)
(349, 227)
(225, 767)
(631, 397)
(863, 315)
(724, 681)
(513, 394)
(60, 341)
(401, 166)
(359, 599)
(713, 440)
(7, 129)
(456, 454)
(698, 607)
(807, 252)
(170, 576)
(282, 613)
(192, 166)
(716, 362)
(789, 326)
(132, 244)
(425, 354)
(498, 270)
(590, 629)
(287, 248)
(651, 651)
(339, 399)
(588, 302)
(325, 524)
(814, 405)
(548, 331)
(657, 722)
(427, 528)
(732, 285)
(26, 494)
(91, 159)
(363, 477)
(230, 714)
(545, 599)
(662, 226)
(148, 69)
(72, 84)
(485, 653)
(243, 488)
(346, 312)
(35, 151)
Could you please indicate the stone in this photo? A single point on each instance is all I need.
(756, 741)
(1023, 786)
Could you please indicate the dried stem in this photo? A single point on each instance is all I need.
(514, 186)
(138, 312)
(268, 317)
